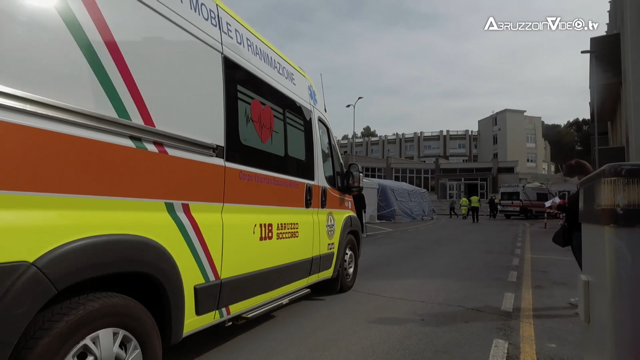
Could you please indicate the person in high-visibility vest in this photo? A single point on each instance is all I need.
(475, 208)
(464, 206)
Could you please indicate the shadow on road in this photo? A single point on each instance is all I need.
(205, 341)
(208, 340)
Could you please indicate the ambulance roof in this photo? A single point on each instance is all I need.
(256, 34)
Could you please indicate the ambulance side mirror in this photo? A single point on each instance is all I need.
(353, 179)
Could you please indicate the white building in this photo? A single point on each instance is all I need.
(510, 135)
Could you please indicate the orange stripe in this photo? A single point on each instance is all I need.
(36, 160)
(250, 188)
(339, 201)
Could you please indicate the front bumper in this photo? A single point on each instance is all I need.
(24, 290)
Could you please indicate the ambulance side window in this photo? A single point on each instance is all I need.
(265, 129)
(327, 157)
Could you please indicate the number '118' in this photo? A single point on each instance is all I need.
(266, 232)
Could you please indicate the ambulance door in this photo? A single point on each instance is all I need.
(269, 225)
(332, 203)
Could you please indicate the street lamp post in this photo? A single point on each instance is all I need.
(353, 136)
(592, 54)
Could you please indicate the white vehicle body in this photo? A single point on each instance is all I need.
(162, 123)
(523, 199)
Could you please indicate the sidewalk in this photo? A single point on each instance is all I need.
(554, 278)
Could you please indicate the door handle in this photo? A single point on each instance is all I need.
(323, 197)
(308, 196)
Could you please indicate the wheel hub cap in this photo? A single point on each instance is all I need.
(107, 344)
(349, 263)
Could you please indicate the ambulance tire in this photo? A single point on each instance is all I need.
(339, 284)
(57, 329)
(347, 282)
(507, 217)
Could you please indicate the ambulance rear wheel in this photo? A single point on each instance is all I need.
(95, 326)
(507, 217)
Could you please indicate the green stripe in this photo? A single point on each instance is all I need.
(138, 143)
(185, 235)
(91, 56)
(221, 314)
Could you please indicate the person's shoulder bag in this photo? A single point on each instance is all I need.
(562, 236)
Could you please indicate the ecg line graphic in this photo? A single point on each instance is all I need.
(249, 119)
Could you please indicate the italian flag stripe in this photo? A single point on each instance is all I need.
(121, 64)
(91, 56)
(173, 211)
(203, 244)
(180, 213)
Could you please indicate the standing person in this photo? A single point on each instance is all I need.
(492, 207)
(571, 209)
(475, 208)
(452, 209)
(361, 209)
(464, 207)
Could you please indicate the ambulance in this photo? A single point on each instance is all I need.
(163, 168)
(527, 200)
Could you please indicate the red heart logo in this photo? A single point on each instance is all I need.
(262, 120)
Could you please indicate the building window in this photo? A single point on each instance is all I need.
(495, 155)
(495, 121)
(461, 145)
(409, 147)
(375, 151)
(495, 139)
(432, 146)
(265, 129)
(531, 139)
(531, 158)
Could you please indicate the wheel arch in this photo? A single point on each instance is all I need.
(350, 225)
(110, 262)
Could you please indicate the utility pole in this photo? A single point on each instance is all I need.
(353, 135)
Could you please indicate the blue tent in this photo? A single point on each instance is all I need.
(401, 199)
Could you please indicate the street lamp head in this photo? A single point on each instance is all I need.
(360, 98)
(587, 52)
(348, 106)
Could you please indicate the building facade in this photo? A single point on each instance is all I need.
(614, 82)
(455, 146)
(510, 135)
(444, 179)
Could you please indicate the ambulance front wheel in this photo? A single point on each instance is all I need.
(348, 271)
(95, 326)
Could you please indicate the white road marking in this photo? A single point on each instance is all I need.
(517, 251)
(516, 261)
(499, 350)
(513, 276)
(507, 302)
(379, 227)
(552, 257)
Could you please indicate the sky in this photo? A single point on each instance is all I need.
(429, 65)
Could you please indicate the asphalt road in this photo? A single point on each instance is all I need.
(444, 289)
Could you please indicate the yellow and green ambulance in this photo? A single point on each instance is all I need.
(163, 168)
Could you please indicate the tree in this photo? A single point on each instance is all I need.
(569, 141)
(345, 137)
(367, 132)
(581, 130)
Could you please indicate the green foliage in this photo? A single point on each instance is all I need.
(569, 141)
(367, 132)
